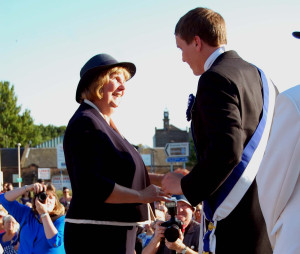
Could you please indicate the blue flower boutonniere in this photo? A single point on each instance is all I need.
(189, 108)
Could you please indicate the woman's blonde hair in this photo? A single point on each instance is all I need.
(58, 209)
(94, 89)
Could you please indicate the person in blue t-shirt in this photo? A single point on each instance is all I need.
(9, 238)
(42, 227)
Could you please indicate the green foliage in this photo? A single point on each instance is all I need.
(19, 128)
(49, 132)
(192, 158)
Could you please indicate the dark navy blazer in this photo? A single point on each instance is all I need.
(97, 157)
(226, 112)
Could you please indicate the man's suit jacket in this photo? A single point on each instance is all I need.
(278, 176)
(97, 157)
(226, 112)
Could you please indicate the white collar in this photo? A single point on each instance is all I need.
(210, 60)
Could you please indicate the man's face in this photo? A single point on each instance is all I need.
(184, 213)
(190, 54)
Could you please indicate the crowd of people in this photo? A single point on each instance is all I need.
(32, 219)
(39, 227)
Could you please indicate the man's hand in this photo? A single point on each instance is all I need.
(171, 183)
(178, 245)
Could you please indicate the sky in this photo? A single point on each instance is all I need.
(44, 44)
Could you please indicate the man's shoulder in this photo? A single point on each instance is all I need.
(230, 60)
(194, 226)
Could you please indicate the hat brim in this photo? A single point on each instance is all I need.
(88, 77)
(296, 35)
(185, 201)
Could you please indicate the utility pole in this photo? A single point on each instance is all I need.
(19, 165)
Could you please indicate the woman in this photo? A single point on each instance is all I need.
(26, 198)
(9, 238)
(107, 174)
(66, 198)
(42, 227)
(3, 213)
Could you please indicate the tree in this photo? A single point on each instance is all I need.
(19, 128)
(12, 124)
(192, 158)
(50, 131)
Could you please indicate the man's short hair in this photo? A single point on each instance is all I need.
(207, 24)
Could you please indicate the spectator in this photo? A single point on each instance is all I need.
(26, 197)
(3, 213)
(197, 214)
(9, 238)
(9, 187)
(146, 234)
(42, 227)
(160, 210)
(66, 198)
(4, 188)
(188, 242)
(41, 181)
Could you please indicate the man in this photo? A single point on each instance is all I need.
(278, 177)
(188, 241)
(231, 118)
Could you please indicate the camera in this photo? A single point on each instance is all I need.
(173, 225)
(42, 196)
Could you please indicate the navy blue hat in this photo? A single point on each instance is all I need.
(296, 35)
(97, 64)
(182, 198)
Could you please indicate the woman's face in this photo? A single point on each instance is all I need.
(66, 192)
(9, 225)
(112, 93)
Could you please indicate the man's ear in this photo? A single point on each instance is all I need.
(197, 42)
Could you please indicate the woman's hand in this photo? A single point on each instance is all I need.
(40, 207)
(123, 195)
(153, 193)
(36, 188)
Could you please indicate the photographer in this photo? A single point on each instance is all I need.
(188, 240)
(42, 227)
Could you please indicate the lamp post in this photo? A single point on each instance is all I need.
(19, 165)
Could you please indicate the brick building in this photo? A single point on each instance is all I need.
(169, 134)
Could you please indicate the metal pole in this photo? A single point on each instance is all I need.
(19, 165)
(151, 169)
(61, 179)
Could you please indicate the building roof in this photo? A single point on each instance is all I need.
(9, 157)
(42, 157)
